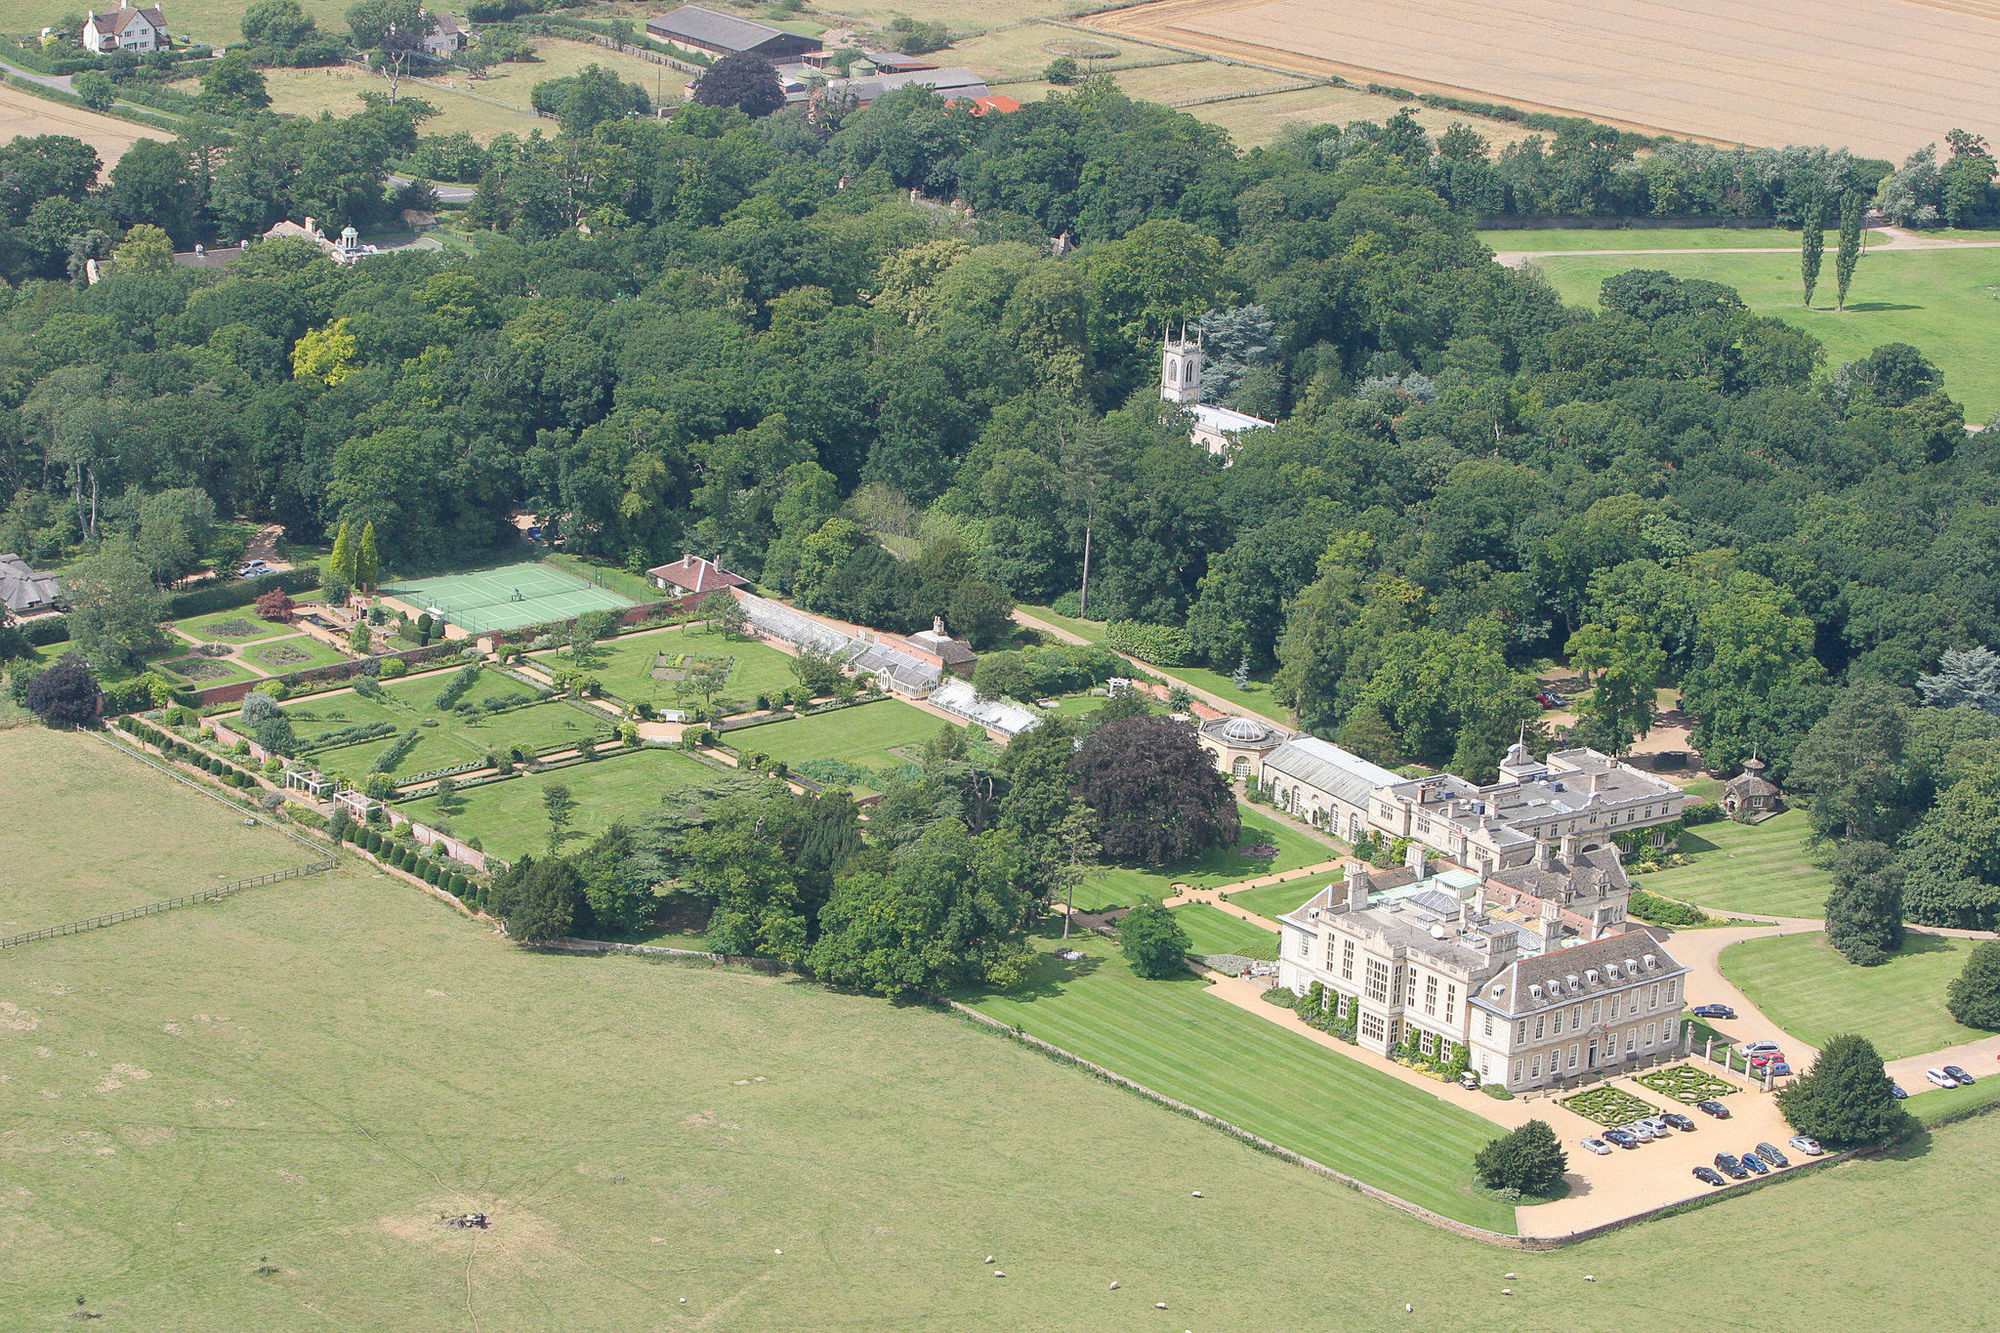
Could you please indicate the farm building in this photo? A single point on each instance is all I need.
(956, 84)
(692, 28)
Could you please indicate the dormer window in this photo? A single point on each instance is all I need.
(1590, 976)
(1651, 962)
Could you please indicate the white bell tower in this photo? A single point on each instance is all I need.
(1180, 368)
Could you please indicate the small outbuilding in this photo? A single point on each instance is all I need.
(1750, 796)
(1239, 744)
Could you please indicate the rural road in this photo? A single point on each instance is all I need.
(1899, 239)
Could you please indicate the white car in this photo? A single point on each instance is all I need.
(1760, 1048)
(1598, 1146)
(1940, 1078)
(1661, 1129)
(1641, 1131)
(1810, 1147)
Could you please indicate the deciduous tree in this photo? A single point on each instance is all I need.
(1153, 792)
(1974, 994)
(1153, 941)
(743, 80)
(65, 695)
(1529, 1159)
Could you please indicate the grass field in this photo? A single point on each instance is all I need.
(292, 654)
(1809, 990)
(507, 597)
(1121, 886)
(126, 835)
(23, 113)
(1542, 239)
(1211, 930)
(1747, 868)
(863, 736)
(1945, 302)
(625, 666)
(1090, 631)
(1257, 699)
(338, 89)
(509, 819)
(1255, 121)
(240, 625)
(1274, 900)
(623, 582)
(1177, 1040)
(195, 1096)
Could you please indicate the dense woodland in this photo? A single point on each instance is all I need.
(741, 337)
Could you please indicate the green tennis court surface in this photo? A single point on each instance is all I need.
(508, 597)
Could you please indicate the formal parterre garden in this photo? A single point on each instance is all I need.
(1608, 1106)
(630, 667)
(1685, 1083)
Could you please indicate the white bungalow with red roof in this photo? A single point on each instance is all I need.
(694, 576)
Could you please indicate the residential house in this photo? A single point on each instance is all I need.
(705, 32)
(1239, 745)
(1581, 791)
(693, 576)
(1328, 787)
(1414, 960)
(24, 591)
(1565, 892)
(936, 645)
(125, 29)
(445, 38)
(349, 249)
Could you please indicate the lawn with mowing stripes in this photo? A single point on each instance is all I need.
(1763, 867)
(1274, 900)
(1122, 886)
(510, 820)
(1212, 930)
(864, 735)
(1188, 1045)
(1804, 986)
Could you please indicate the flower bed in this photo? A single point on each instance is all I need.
(1685, 1083)
(1608, 1106)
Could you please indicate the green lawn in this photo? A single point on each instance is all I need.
(294, 654)
(238, 625)
(864, 736)
(1747, 868)
(1274, 900)
(1121, 886)
(1540, 239)
(1177, 1040)
(127, 835)
(1256, 699)
(1809, 990)
(510, 820)
(1211, 930)
(1092, 631)
(623, 582)
(1942, 301)
(625, 666)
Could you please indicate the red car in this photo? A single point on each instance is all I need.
(1767, 1058)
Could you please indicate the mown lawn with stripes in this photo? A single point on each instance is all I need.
(1212, 930)
(1763, 867)
(1177, 1040)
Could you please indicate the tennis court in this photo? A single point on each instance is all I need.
(507, 598)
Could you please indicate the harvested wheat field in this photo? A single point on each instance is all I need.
(1882, 77)
(24, 113)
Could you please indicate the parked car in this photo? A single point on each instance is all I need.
(253, 570)
(1940, 1078)
(1770, 1154)
(1714, 1011)
(1730, 1167)
(1598, 1146)
(1776, 1069)
(1548, 699)
(1964, 1079)
(1752, 1162)
(1679, 1121)
(1810, 1147)
(1896, 1091)
(1760, 1048)
(1642, 1131)
(1708, 1175)
(1658, 1124)
(1716, 1109)
(1469, 1079)
(1621, 1138)
(1767, 1059)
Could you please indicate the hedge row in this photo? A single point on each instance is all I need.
(240, 592)
(404, 856)
(175, 748)
(1162, 645)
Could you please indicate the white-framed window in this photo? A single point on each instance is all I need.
(1539, 1022)
(1535, 1067)
(1614, 1008)
(1576, 1019)
(1329, 953)
(1649, 1034)
(1673, 989)
(1517, 1071)
(1653, 998)
(1427, 1043)
(1521, 1033)
(1631, 1040)
(1556, 1022)
(1378, 981)
(1596, 1011)
(1371, 1026)
(1574, 1048)
(1347, 960)
(1305, 947)
(1430, 995)
(1450, 1001)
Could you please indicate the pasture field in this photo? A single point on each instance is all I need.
(625, 666)
(1122, 886)
(510, 821)
(1540, 240)
(1177, 1040)
(1274, 900)
(1211, 930)
(1253, 122)
(96, 831)
(338, 89)
(204, 1134)
(866, 736)
(1763, 867)
(1804, 986)
(1945, 302)
(1892, 77)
